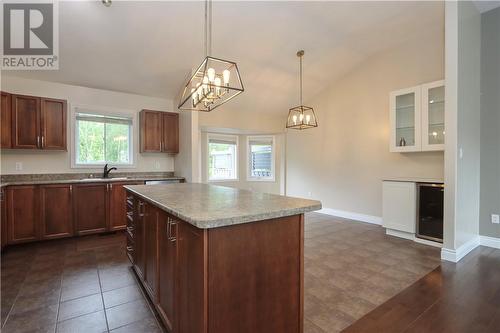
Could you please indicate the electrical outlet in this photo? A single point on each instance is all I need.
(19, 166)
(495, 218)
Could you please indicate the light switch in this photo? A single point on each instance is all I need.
(19, 166)
(495, 218)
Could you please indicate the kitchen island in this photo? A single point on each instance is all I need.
(219, 259)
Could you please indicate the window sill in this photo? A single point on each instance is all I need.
(270, 180)
(222, 180)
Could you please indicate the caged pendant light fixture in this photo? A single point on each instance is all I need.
(215, 82)
(301, 117)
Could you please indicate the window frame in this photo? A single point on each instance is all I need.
(251, 178)
(105, 112)
(234, 138)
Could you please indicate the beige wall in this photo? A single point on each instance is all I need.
(60, 162)
(343, 161)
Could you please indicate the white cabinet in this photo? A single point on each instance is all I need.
(417, 118)
(399, 210)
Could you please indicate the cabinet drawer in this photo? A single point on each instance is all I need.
(130, 249)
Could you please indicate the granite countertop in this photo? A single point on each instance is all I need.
(77, 178)
(414, 180)
(211, 206)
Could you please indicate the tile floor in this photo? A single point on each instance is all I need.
(85, 284)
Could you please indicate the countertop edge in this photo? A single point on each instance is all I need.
(224, 222)
(87, 181)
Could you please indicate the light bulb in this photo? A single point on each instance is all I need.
(205, 85)
(308, 119)
(200, 93)
(217, 85)
(226, 74)
(294, 119)
(301, 117)
(211, 74)
(434, 134)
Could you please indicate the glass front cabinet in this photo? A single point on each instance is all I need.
(417, 118)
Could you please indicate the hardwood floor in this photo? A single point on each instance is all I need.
(462, 297)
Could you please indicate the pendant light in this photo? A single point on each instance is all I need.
(215, 82)
(301, 117)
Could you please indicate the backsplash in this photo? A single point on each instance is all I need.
(73, 176)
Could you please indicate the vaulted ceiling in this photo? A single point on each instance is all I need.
(149, 48)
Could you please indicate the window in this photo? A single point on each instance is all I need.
(261, 158)
(222, 157)
(101, 139)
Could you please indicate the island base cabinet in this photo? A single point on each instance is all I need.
(239, 278)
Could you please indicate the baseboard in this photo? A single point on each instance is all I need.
(400, 234)
(428, 242)
(352, 216)
(490, 241)
(462, 251)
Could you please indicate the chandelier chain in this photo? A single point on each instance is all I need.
(207, 42)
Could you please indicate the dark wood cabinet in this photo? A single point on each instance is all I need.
(56, 211)
(151, 251)
(6, 121)
(167, 268)
(90, 208)
(37, 122)
(3, 217)
(170, 133)
(53, 124)
(25, 122)
(23, 218)
(117, 205)
(139, 238)
(159, 132)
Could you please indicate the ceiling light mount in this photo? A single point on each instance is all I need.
(215, 82)
(107, 3)
(301, 117)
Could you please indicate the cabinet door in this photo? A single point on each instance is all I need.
(150, 131)
(3, 216)
(405, 119)
(151, 251)
(56, 211)
(167, 265)
(139, 238)
(118, 205)
(90, 208)
(6, 122)
(170, 133)
(25, 122)
(433, 116)
(53, 124)
(399, 206)
(23, 214)
(192, 275)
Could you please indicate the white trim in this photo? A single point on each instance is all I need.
(352, 216)
(490, 241)
(273, 158)
(400, 234)
(462, 251)
(428, 242)
(234, 138)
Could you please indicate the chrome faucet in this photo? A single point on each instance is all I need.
(107, 171)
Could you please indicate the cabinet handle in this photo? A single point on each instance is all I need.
(171, 223)
(38, 141)
(130, 249)
(71, 189)
(110, 186)
(161, 146)
(43, 141)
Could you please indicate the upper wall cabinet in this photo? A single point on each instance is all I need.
(417, 118)
(159, 132)
(35, 122)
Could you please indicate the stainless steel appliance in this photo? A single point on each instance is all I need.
(430, 205)
(162, 181)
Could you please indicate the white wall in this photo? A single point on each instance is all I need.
(187, 161)
(59, 162)
(462, 121)
(343, 161)
(242, 182)
(490, 122)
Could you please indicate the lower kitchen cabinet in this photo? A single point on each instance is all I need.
(151, 250)
(167, 260)
(22, 221)
(139, 241)
(118, 206)
(3, 217)
(90, 208)
(56, 211)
